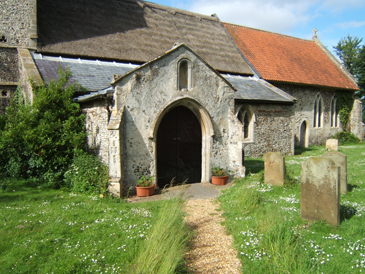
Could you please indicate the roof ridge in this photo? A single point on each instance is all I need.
(267, 31)
(176, 10)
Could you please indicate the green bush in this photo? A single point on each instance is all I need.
(87, 174)
(346, 137)
(40, 140)
(2, 122)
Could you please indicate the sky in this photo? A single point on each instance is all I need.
(334, 19)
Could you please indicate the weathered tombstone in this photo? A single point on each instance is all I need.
(274, 168)
(320, 190)
(332, 144)
(340, 160)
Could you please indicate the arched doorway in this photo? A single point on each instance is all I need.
(303, 134)
(179, 147)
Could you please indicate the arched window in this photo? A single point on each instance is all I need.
(246, 117)
(334, 114)
(317, 111)
(184, 75)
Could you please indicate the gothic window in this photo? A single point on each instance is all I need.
(334, 114)
(246, 118)
(317, 111)
(184, 75)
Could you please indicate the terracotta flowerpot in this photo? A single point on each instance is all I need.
(219, 180)
(145, 191)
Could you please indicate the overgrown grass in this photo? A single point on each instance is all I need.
(54, 231)
(270, 235)
(167, 242)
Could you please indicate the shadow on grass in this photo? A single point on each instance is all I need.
(28, 195)
(351, 187)
(6, 198)
(346, 212)
(254, 165)
(300, 150)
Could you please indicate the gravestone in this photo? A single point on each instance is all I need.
(274, 168)
(340, 160)
(332, 145)
(320, 190)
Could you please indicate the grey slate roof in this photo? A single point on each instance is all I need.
(97, 76)
(251, 89)
(94, 95)
(93, 75)
(133, 31)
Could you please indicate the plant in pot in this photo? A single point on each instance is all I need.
(220, 176)
(145, 186)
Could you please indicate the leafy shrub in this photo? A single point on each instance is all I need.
(87, 174)
(2, 122)
(345, 102)
(40, 140)
(346, 137)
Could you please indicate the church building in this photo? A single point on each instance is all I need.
(172, 93)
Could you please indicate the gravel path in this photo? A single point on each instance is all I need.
(211, 250)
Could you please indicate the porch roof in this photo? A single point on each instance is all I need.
(253, 89)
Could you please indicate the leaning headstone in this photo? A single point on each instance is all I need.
(320, 190)
(340, 160)
(274, 168)
(332, 144)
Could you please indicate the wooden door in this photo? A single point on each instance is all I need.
(179, 147)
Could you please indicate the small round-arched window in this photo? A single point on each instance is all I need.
(184, 75)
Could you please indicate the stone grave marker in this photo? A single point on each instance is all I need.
(320, 190)
(274, 168)
(340, 160)
(332, 144)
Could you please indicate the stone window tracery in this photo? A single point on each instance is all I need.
(247, 119)
(317, 111)
(334, 114)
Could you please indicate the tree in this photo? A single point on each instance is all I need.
(352, 54)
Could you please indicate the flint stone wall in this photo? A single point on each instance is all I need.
(273, 130)
(9, 76)
(304, 111)
(96, 123)
(18, 23)
(320, 190)
(9, 71)
(6, 94)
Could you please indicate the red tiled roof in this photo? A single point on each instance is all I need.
(288, 59)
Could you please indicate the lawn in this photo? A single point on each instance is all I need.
(54, 231)
(271, 237)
